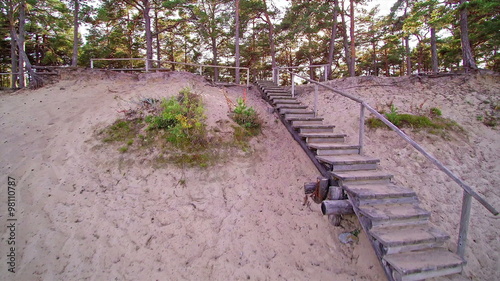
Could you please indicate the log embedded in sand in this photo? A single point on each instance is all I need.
(336, 207)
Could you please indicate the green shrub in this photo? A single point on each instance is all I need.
(393, 116)
(182, 118)
(436, 111)
(247, 117)
(120, 130)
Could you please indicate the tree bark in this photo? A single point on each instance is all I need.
(408, 55)
(271, 38)
(352, 71)
(74, 59)
(237, 42)
(215, 58)
(20, 41)
(332, 38)
(149, 37)
(468, 58)
(434, 56)
(157, 37)
(13, 45)
(345, 39)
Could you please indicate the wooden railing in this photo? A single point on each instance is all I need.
(276, 71)
(468, 192)
(147, 66)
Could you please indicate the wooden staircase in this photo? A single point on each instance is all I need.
(408, 245)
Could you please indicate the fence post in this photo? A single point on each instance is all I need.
(361, 128)
(325, 69)
(147, 65)
(293, 85)
(315, 99)
(91, 63)
(464, 224)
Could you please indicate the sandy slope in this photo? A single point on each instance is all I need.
(87, 212)
(473, 155)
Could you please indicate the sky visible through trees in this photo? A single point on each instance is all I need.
(401, 37)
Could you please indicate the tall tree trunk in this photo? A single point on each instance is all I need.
(271, 39)
(74, 59)
(468, 58)
(345, 39)
(149, 36)
(332, 38)
(352, 71)
(157, 37)
(434, 55)
(237, 42)
(408, 55)
(215, 58)
(13, 46)
(22, 20)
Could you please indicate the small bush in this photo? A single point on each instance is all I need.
(393, 116)
(434, 122)
(182, 118)
(436, 111)
(246, 116)
(120, 130)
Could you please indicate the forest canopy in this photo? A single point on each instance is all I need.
(418, 36)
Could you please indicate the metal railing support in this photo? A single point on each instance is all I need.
(293, 85)
(325, 69)
(361, 128)
(464, 224)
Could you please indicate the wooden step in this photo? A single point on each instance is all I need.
(290, 106)
(394, 214)
(325, 149)
(397, 239)
(315, 121)
(290, 116)
(295, 111)
(420, 265)
(278, 95)
(369, 194)
(270, 91)
(291, 119)
(349, 162)
(272, 98)
(322, 137)
(285, 101)
(359, 177)
(307, 128)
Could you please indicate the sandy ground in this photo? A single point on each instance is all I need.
(86, 212)
(474, 155)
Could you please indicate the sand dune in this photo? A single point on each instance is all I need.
(87, 212)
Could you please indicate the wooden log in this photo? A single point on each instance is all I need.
(335, 193)
(336, 207)
(309, 187)
(322, 190)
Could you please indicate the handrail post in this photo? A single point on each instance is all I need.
(315, 99)
(293, 85)
(464, 224)
(361, 127)
(325, 69)
(147, 65)
(91, 63)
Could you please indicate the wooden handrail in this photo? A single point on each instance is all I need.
(173, 62)
(436, 162)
